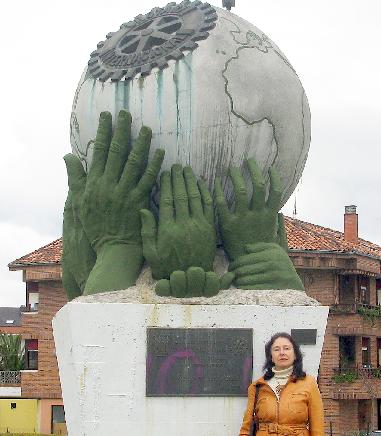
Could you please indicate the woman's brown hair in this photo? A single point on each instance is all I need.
(297, 373)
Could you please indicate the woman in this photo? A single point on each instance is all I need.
(289, 402)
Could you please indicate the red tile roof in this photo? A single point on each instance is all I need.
(307, 236)
(49, 254)
(301, 236)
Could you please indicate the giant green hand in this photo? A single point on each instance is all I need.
(252, 221)
(194, 282)
(265, 266)
(254, 235)
(78, 258)
(184, 236)
(117, 187)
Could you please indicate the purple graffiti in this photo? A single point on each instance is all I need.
(149, 363)
(246, 373)
(167, 365)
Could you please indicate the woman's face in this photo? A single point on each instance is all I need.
(282, 353)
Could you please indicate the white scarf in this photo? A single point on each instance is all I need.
(279, 380)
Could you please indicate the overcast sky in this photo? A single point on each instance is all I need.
(332, 44)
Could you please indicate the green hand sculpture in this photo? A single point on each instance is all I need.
(117, 186)
(266, 266)
(185, 235)
(78, 258)
(254, 235)
(252, 222)
(195, 282)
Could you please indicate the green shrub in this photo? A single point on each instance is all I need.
(345, 377)
(11, 353)
(370, 313)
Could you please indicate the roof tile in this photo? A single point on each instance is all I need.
(300, 234)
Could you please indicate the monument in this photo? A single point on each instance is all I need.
(177, 283)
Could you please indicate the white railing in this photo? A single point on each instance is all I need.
(10, 377)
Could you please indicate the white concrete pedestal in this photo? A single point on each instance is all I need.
(101, 351)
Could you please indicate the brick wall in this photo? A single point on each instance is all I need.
(320, 284)
(342, 400)
(45, 382)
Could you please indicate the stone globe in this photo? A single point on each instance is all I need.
(214, 89)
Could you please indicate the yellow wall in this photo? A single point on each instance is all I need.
(21, 419)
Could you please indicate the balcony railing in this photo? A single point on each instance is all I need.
(29, 308)
(357, 372)
(353, 308)
(10, 377)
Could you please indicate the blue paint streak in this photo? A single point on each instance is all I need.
(126, 94)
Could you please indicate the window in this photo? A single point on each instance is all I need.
(31, 354)
(346, 289)
(363, 290)
(378, 291)
(32, 296)
(365, 351)
(58, 420)
(347, 351)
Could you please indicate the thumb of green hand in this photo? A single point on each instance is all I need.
(149, 236)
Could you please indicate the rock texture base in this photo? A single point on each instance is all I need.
(101, 351)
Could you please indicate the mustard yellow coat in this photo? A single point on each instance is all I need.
(298, 412)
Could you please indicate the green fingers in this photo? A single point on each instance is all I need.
(76, 175)
(275, 194)
(226, 280)
(104, 222)
(178, 282)
(265, 266)
(166, 210)
(149, 176)
(259, 186)
(180, 194)
(149, 235)
(241, 202)
(119, 147)
(137, 160)
(193, 193)
(184, 235)
(78, 257)
(254, 219)
(101, 147)
(221, 204)
(194, 282)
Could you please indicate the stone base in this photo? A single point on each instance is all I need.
(101, 351)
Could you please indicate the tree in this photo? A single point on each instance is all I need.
(11, 352)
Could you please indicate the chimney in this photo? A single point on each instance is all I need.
(351, 227)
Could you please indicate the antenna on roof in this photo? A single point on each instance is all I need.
(294, 212)
(228, 4)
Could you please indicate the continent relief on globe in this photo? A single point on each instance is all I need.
(216, 98)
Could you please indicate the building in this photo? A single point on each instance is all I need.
(35, 401)
(343, 271)
(338, 269)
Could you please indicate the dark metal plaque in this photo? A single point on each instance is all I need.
(198, 362)
(304, 336)
(151, 40)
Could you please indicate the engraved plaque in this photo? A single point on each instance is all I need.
(198, 362)
(304, 336)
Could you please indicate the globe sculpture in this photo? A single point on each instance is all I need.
(215, 90)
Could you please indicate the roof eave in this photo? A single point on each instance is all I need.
(336, 252)
(18, 266)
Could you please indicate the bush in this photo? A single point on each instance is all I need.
(11, 353)
(345, 377)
